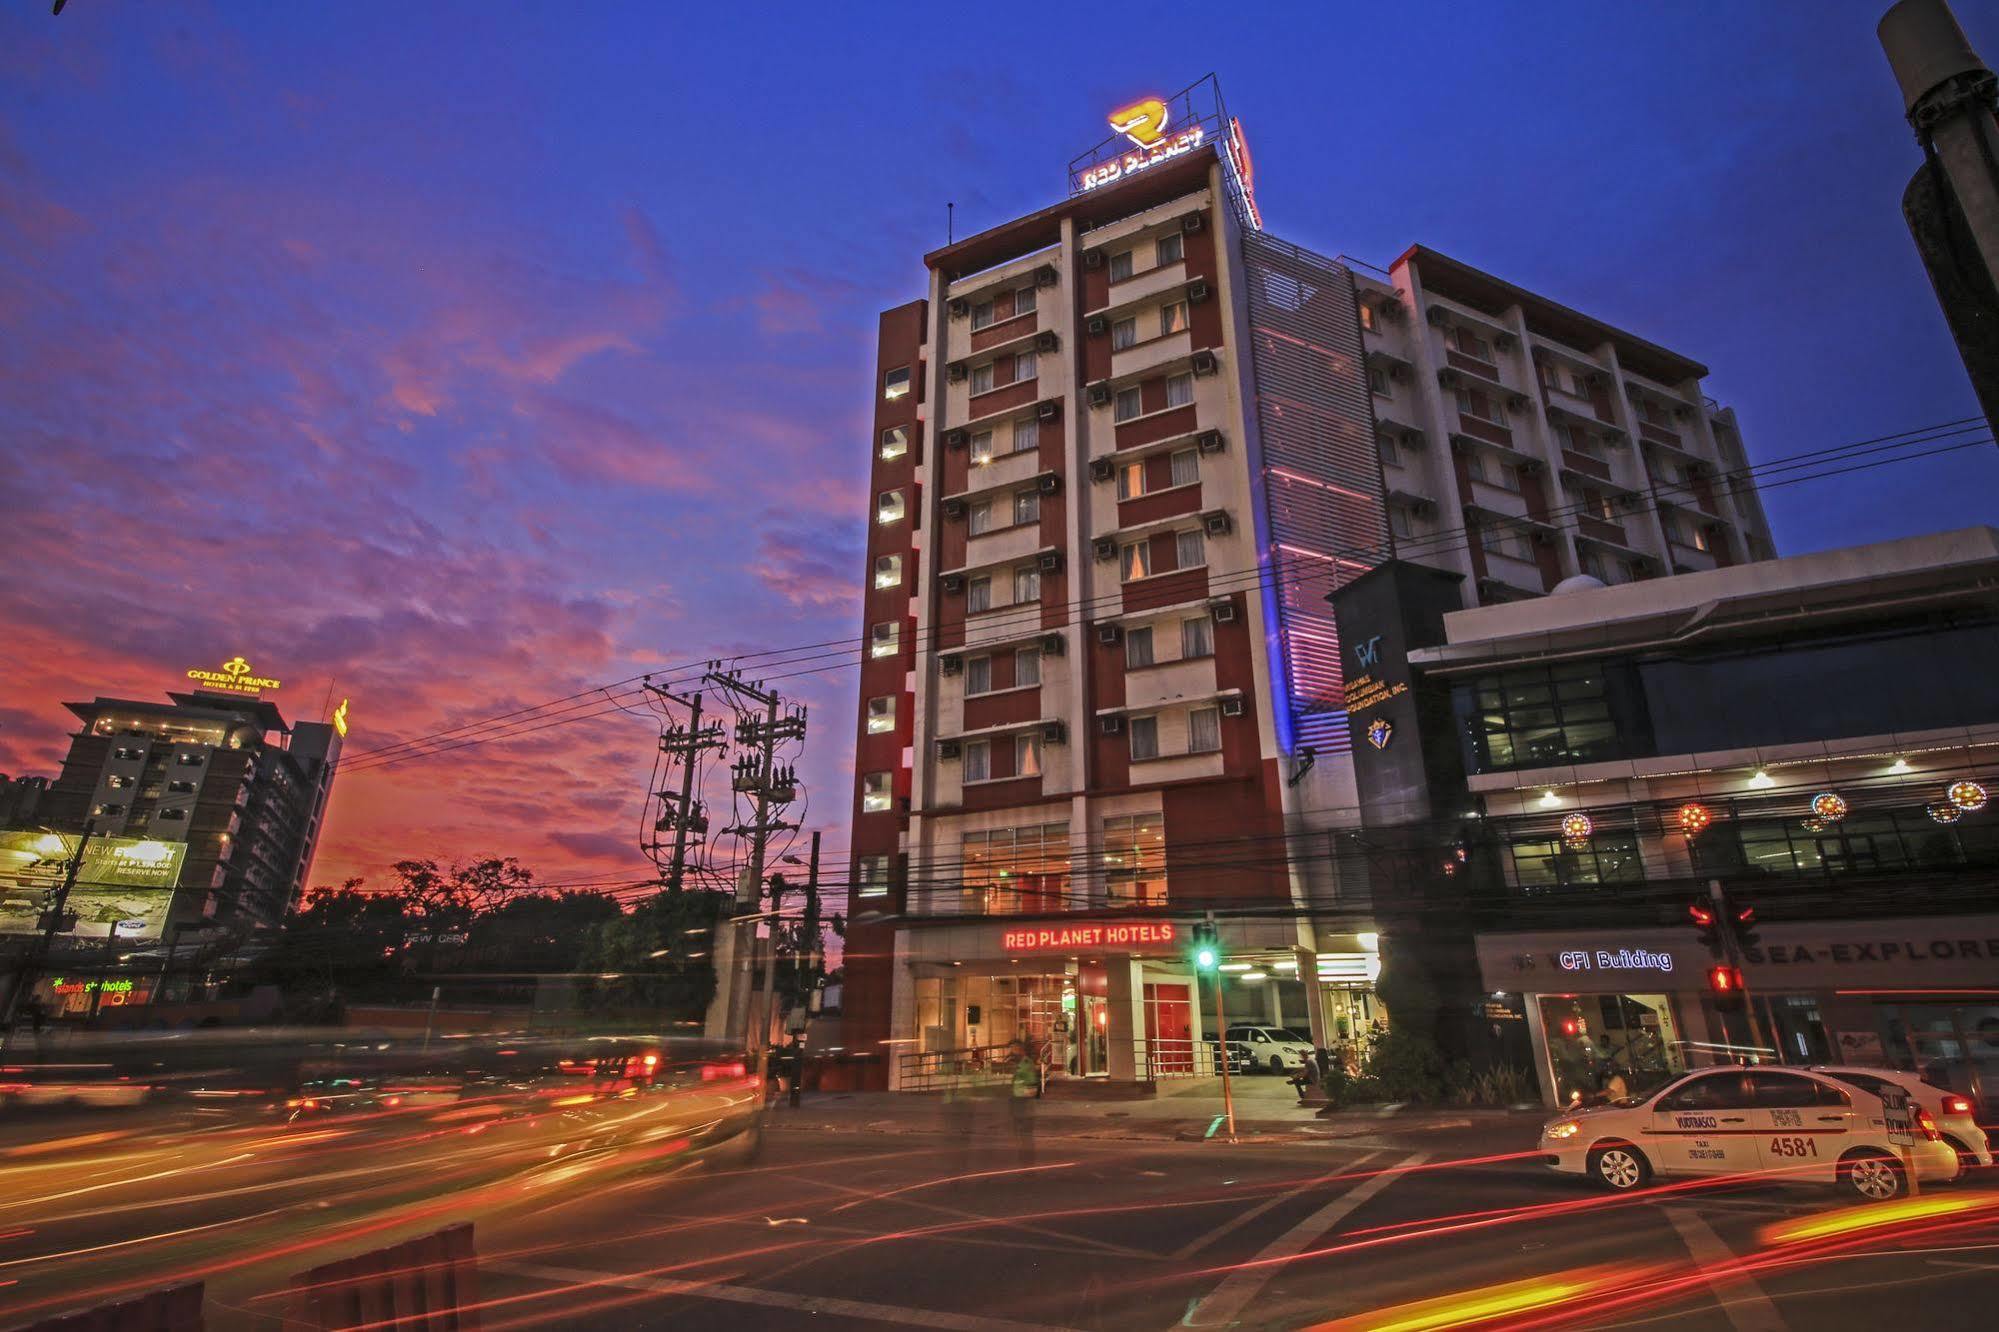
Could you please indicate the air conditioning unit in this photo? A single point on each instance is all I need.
(1048, 410)
(954, 508)
(1051, 561)
(1209, 441)
(1232, 707)
(1197, 291)
(954, 583)
(1093, 258)
(1204, 363)
(957, 439)
(1045, 275)
(948, 749)
(1046, 341)
(960, 308)
(1054, 733)
(1111, 725)
(1096, 326)
(1100, 393)
(1106, 548)
(1217, 522)
(1108, 634)
(1102, 469)
(1193, 222)
(957, 372)
(950, 663)
(1224, 611)
(1050, 483)
(1053, 645)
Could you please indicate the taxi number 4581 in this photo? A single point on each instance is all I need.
(1794, 1147)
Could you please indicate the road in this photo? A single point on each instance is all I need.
(907, 1225)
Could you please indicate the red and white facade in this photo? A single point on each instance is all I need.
(1122, 451)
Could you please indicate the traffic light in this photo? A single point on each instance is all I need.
(1745, 927)
(1706, 928)
(1207, 952)
(1724, 985)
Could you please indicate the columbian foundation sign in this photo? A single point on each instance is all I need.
(235, 677)
(1089, 934)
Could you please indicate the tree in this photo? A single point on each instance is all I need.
(537, 933)
(654, 967)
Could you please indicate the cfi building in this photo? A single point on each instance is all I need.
(1123, 449)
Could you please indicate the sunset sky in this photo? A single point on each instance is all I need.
(453, 358)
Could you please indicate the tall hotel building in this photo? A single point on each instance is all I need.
(1124, 450)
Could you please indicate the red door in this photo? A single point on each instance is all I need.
(1169, 1028)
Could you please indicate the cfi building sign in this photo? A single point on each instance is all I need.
(234, 677)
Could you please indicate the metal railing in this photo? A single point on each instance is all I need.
(973, 1066)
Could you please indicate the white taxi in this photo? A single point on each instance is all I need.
(1791, 1123)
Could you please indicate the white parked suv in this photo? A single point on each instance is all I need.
(1953, 1113)
(1792, 1124)
(1275, 1048)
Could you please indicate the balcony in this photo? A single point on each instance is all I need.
(1139, 288)
(1151, 354)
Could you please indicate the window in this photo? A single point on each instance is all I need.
(1594, 565)
(1471, 344)
(1506, 542)
(1197, 637)
(1172, 318)
(888, 571)
(1026, 366)
(1027, 755)
(1026, 667)
(881, 714)
(127, 752)
(895, 443)
(1179, 390)
(173, 815)
(978, 595)
(190, 760)
(1026, 585)
(1170, 250)
(1582, 441)
(877, 792)
(1135, 860)
(982, 448)
(1391, 454)
(978, 761)
(1702, 537)
(895, 384)
(1475, 465)
(871, 876)
(1023, 301)
(1121, 266)
(1368, 318)
(1607, 856)
(1508, 478)
(1480, 405)
(109, 809)
(1135, 561)
(1124, 333)
(979, 518)
(1144, 737)
(982, 378)
(1190, 549)
(1013, 869)
(1540, 716)
(1127, 404)
(1026, 435)
(1204, 730)
(889, 507)
(1026, 507)
(181, 788)
(1186, 467)
(118, 783)
(1377, 382)
(1788, 1091)
(1400, 521)
(982, 315)
(1138, 646)
(1715, 1091)
(1130, 479)
(1581, 384)
(978, 675)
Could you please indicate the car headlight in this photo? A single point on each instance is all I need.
(1568, 1128)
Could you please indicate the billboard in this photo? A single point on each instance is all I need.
(125, 883)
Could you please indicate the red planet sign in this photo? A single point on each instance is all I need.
(1090, 934)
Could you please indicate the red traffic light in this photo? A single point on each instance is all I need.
(1746, 916)
(1570, 1026)
(1724, 980)
(1702, 916)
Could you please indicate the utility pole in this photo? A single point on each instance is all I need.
(771, 787)
(55, 920)
(685, 746)
(763, 1023)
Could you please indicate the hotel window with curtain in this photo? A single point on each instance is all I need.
(1136, 561)
(1179, 390)
(881, 714)
(1190, 549)
(1129, 404)
(1026, 667)
(1026, 435)
(1171, 249)
(982, 378)
(1027, 755)
(1134, 861)
(1204, 730)
(877, 792)
(1023, 301)
(1008, 870)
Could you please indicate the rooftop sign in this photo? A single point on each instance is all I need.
(1153, 130)
(235, 677)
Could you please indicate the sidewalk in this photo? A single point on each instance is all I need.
(1267, 1110)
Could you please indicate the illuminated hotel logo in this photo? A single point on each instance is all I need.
(340, 717)
(1245, 172)
(1144, 123)
(235, 677)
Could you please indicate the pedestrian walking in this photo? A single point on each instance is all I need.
(1020, 1107)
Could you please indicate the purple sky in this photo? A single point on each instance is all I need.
(458, 357)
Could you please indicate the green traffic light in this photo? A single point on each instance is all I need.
(1205, 959)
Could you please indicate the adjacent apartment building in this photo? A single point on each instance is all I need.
(1124, 450)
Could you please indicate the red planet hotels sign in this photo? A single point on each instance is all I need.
(1095, 934)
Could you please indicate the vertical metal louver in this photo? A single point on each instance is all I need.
(1320, 472)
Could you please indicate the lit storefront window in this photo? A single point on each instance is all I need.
(1596, 1041)
(1135, 860)
(1010, 870)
